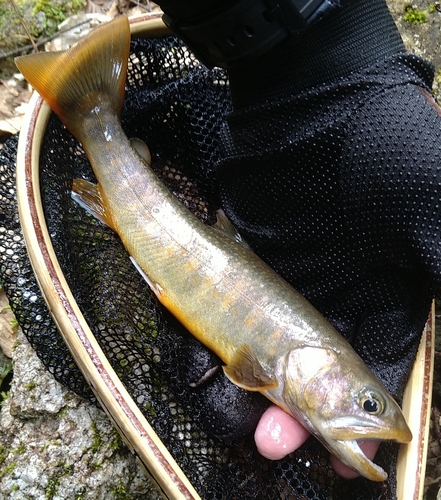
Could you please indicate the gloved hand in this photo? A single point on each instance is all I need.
(330, 171)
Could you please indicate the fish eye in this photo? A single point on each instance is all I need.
(370, 405)
(371, 402)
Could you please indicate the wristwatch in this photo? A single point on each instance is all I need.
(247, 28)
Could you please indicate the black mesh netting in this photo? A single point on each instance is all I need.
(178, 108)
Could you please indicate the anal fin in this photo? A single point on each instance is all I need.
(225, 226)
(155, 287)
(88, 196)
(245, 371)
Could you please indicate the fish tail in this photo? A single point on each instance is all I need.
(76, 81)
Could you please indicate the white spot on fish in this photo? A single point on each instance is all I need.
(106, 128)
(174, 225)
(107, 133)
(200, 247)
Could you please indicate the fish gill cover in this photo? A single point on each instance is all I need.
(178, 108)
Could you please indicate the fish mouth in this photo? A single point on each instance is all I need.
(348, 428)
(350, 453)
(342, 440)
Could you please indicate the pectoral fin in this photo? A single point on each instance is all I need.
(245, 371)
(88, 195)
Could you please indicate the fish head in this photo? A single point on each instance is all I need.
(342, 402)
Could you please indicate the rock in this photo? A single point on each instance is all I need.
(422, 39)
(74, 28)
(8, 328)
(14, 96)
(55, 445)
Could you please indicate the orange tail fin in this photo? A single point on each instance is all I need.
(74, 82)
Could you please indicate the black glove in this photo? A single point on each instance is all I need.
(330, 172)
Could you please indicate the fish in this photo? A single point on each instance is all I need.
(269, 337)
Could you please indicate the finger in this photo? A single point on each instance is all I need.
(278, 434)
(369, 448)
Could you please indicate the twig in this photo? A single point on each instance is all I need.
(25, 26)
(148, 8)
(14, 52)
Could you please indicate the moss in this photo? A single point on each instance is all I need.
(5, 380)
(3, 454)
(6, 13)
(415, 16)
(42, 18)
(11, 27)
(62, 411)
(63, 469)
(120, 492)
(13, 322)
(56, 12)
(93, 466)
(52, 487)
(30, 386)
(81, 494)
(8, 470)
(97, 438)
(117, 443)
(3, 396)
(20, 450)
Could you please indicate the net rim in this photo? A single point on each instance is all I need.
(114, 398)
(116, 401)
